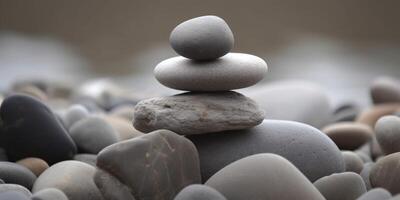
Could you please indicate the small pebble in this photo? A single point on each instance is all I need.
(199, 192)
(387, 131)
(86, 158)
(365, 173)
(49, 194)
(14, 188)
(349, 135)
(371, 115)
(73, 114)
(376, 194)
(352, 161)
(342, 186)
(84, 131)
(385, 90)
(36, 165)
(74, 178)
(16, 174)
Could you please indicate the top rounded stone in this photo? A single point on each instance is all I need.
(202, 38)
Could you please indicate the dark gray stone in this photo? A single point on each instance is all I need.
(385, 90)
(232, 71)
(32, 130)
(49, 194)
(263, 176)
(74, 178)
(197, 113)
(16, 174)
(310, 150)
(343, 186)
(199, 192)
(92, 134)
(376, 194)
(387, 131)
(202, 38)
(162, 157)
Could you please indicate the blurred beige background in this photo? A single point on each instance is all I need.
(342, 44)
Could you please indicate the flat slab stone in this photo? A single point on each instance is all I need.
(232, 71)
(197, 113)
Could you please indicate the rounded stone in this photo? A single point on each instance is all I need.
(352, 161)
(385, 173)
(162, 157)
(385, 90)
(387, 131)
(310, 150)
(299, 101)
(263, 176)
(73, 114)
(16, 174)
(123, 127)
(14, 188)
(86, 158)
(202, 38)
(197, 113)
(342, 186)
(32, 130)
(84, 131)
(13, 195)
(74, 178)
(36, 165)
(372, 115)
(232, 71)
(110, 187)
(365, 172)
(32, 91)
(199, 192)
(123, 111)
(346, 112)
(376, 194)
(49, 194)
(349, 135)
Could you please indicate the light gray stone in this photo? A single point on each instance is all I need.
(365, 174)
(74, 178)
(263, 176)
(352, 161)
(16, 188)
(342, 186)
(92, 134)
(310, 150)
(197, 113)
(232, 71)
(73, 114)
(385, 173)
(202, 38)
(199, 192)
(110, 187)
(376, 194)
(295, 101)
(387, 131)
(49, 194)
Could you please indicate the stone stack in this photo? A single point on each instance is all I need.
(209, 72)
